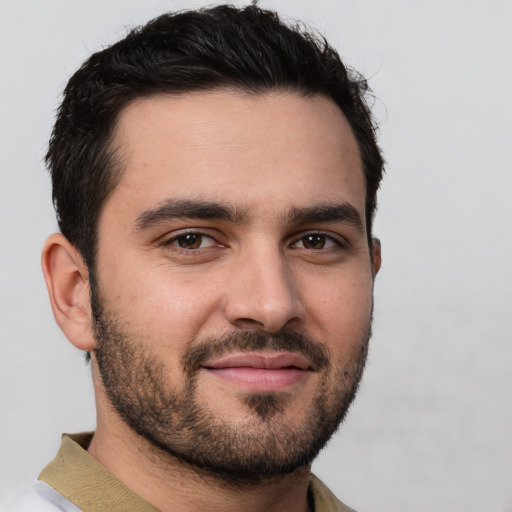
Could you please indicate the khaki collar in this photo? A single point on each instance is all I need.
(80, 478)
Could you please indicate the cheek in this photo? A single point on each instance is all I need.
(167, 305)
(340, 311)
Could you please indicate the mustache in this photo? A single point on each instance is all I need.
(249, 341)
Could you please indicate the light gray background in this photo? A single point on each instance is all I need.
(431, 428)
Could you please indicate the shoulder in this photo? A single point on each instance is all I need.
(41, 498)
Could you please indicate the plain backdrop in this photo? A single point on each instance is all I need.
(431, 429)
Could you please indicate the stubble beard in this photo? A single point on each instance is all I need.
(177, 424)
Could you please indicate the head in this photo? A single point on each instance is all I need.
(215, 177)
(181, 53)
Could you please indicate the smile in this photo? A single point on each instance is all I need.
(261, 372)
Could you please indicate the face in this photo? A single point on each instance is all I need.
(234, 279)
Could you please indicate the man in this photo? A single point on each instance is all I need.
(214, 176)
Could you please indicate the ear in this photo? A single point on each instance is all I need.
(376, 255)
(67, 280)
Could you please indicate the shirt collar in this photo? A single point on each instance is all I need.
(79, 477)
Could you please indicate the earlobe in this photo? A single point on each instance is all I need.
(376, 255)
(67, 280)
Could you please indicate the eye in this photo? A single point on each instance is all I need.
(190, 241)
(316, 242)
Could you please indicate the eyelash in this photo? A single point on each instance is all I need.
(171, 242)
(338, 242)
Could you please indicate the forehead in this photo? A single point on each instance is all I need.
(283, 147)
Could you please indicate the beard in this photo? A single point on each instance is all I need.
(265, 444)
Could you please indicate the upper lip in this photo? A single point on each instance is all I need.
(263, 360)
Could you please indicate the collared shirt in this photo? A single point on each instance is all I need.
(75, 481)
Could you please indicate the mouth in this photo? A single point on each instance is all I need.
(261, 371)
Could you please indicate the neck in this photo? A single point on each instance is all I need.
(168, 484)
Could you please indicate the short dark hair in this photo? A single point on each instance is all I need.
(248, 48)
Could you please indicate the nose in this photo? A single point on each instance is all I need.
(262, 293)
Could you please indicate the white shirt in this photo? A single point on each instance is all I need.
(42, 498)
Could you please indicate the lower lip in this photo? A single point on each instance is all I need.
(260, 379)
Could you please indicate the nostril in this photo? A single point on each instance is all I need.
(248, 323)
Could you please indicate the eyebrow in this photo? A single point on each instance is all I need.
(209, 210)
(342, 212)
(187, 209)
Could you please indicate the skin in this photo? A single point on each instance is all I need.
(264, 155)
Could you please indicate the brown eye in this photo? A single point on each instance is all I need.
(189, 241)
(193, 241)
(316, 242)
